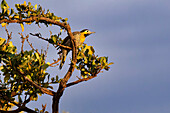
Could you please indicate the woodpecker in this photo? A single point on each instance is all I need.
(79, 37)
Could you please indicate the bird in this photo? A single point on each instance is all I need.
(79, 37)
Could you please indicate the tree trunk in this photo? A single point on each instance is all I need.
(55, 106)
(56, 99)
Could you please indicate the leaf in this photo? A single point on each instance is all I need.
(29, 13)
(3, 3)
(52, 79)
(37, 56)
(35, 6)
(110, 63)
(7, 77)
(61, 30)
(10, 44)
(22, 27)
(25, 3)
(29, 77)
(29, 3)
(2, 67)
(36, 109)
(4, 24)
(2, 40)
(48, 63)
(16, 17)
(66, 19)
(12, 11)
(54, 39)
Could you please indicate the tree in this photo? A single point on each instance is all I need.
(24, 72)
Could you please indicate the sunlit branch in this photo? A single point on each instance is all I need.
(32, 46)
(80, 80)
(9, 36)
(44, 90)
(39, 36)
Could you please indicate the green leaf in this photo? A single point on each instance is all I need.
(35, 6)
(46, 85)
(2, 41)
(29, 13)
(3, 3)
(66, 19)
(12, 11)
(36, 109)
(7, 77)
(54, 39)
(107, 68)
(29, 3)
(52, 79)
(37, 56)
(4, 24)
(110, 63)
(29, 77)
(22, 27)
(45, 66)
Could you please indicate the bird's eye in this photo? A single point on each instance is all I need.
(87, 31)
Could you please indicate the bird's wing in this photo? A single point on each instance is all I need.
(67, 41)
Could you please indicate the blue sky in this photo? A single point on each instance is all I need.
(135, 35)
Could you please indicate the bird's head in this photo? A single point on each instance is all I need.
(86, 32)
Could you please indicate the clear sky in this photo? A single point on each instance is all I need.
(135, 35)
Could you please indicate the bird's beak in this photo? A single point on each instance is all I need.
(91, 32)
(88, 33)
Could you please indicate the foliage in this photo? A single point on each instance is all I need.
(25, 73)
(88, 63)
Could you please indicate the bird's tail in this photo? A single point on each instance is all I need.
(63, 58)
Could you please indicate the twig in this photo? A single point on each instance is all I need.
(35, 18)
(39, 36)
(23, 40)
(6, 98)
(55, 62)
(46, 50)
(22, 108)
(58, 44)
(84, 79)
(44, 90)
(80, 80)
(9, 36)
(63, 46)
(26, 101)
(32, 46)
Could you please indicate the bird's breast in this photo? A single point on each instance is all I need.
(82, 38)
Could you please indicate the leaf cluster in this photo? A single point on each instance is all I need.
(88, 63)
(16, 66)
(25, 11)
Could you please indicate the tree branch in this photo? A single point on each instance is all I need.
(22, 108)
(55, 62)
(84, 79)
(38, 35)
(80, 80)
(32, 46)
(27, 100)
(64, 81)
(9, 36)
(23, 40)
(44, 90)
(62, 85)
(35, 18)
